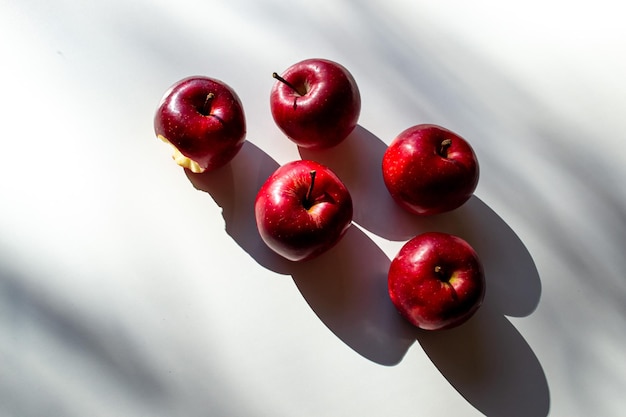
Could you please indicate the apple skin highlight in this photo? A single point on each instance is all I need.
(429, 170)
(302, 210)
(436, 281)
(316, 103)
(203, 120)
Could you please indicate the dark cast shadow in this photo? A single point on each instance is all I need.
(510, 269)
(346, 287)
(486, 359)
(491, 365)
(358, 162)
(233, 187)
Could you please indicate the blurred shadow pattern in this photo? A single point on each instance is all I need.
(542, 170)
(534, 165)
(45, 328)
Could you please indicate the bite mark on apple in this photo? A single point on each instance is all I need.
(181, 159)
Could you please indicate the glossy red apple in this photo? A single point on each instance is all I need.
(203, 119)
(436, 281)
(316, 103)
(429, 169)
(302, 210)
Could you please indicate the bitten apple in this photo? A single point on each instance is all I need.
(429, 169)
(436, 281)
(316, 103)
(203, 119)
(302, 210)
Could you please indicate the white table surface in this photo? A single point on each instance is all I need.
(128, 288)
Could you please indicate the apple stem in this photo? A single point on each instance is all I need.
(207, 103)
(287, 83)
(307, 199)
(443, 150)
(441, 273)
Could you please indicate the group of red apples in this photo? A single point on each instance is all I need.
(303, 209)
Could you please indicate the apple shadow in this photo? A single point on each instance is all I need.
(513, 279)
(486, 359)
(345, 287)
(233, 187)
(491, 365)
(358, 162)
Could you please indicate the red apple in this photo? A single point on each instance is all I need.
(429, 169)
(302, 210)
(316, 103)
(436, 281)
(203, 119)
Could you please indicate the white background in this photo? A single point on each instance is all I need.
(128, 288)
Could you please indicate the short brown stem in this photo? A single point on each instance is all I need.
(441, 273)
(288, 84)
(307, 199)
(206, 107)
(443, 147)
